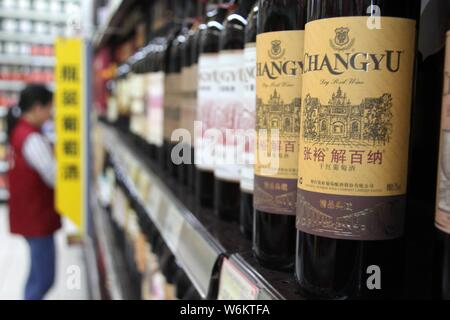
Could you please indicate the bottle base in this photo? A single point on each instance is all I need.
(204, 193)
(227, 200)
(246, 214)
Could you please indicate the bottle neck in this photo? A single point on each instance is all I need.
(243, 7)
(201, 10)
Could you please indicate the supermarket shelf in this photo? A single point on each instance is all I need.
(195, 250)
(111, 26)
(4, 166)
(3, 111)
(103, 30)
(91, 262)
(4, 195)
(105, 241)
(33, 15)
(27, 60)
(28, 38)
(207, 229)
(8, 85)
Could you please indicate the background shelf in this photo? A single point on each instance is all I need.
(27, 38)
(21, 14)
(27, 60)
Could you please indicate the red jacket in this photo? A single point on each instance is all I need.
(31, 204)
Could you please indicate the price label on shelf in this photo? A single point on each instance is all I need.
(197, 255)
(172, 227)
(135, 173)
(162, 208)
(143, 186)
(234, 284)
(153, 201)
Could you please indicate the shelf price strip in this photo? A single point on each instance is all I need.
(234, 285)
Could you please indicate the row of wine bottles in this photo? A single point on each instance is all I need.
(152, 268)
(344, 98)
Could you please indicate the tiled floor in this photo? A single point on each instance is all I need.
(14, 264)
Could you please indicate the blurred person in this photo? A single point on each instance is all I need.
(31, 180)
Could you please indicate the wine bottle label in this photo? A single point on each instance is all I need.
(172, 104)
(355, 119)
(137, 125)
(246, 118)
(443, 191)
(189, 100)
(208, 89)
(278, 89)
(123, 96)
(226, 113)
(137, 82)
(155, 101)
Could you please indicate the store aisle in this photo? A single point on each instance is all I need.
(14, 264)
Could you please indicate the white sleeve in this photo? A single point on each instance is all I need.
(38, 154)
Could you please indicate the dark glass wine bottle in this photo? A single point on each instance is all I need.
(156, 104)
(172, 69)
(152, 57)
(172, 106)
(209, 44)
(122, 120)
(247, 122)
(442, 244)
(137, 97)
(189, 83)
(148, 66)
(182, 284)
(227, 110)
(435, 45)
(195, 55)
(421, 204)
(358, 85)
(278, 89)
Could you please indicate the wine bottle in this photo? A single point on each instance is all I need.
(149, 66)
(353, 165)
(207, 95)
(189, 83)
(421, 204)
(437, 66)
(227, 111)
(122, 119)
(246, 121)
(154, 99)
(172, 102)
(182, 284)
(138, 82)
(442, 250)
(165, 161)
(278, 90)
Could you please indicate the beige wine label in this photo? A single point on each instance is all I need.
(172, 104)
(354, 140)
(246, 119)
(226, 114)
(443, 191)
(279, 67)
(207, 92)
(189, 100)
(155, 101)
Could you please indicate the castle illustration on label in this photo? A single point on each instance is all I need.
(342, 123)
(276, 114)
